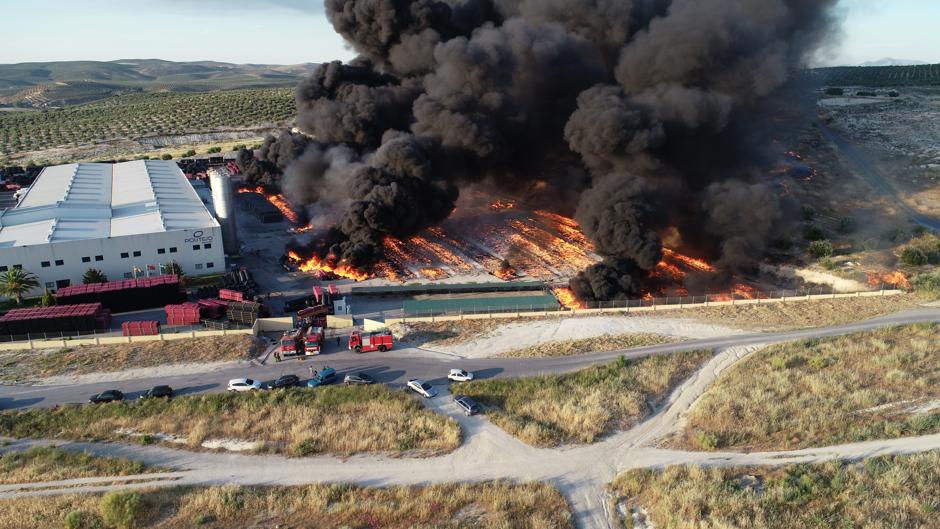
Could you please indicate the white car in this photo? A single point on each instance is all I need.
(243, 384)
(460, 375)
(422, 388)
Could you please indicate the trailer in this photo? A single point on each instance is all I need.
(314, 341)
(376, 341)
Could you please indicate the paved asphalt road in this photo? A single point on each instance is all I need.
(397, 366)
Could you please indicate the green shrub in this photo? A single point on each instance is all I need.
(167, 156)
(203, 519)
(213, 150)
(927, 283)
(779, 363)
(820, 249)
(913, 256)
(819, 362)
(121, 510)
(707, 441)
(813, 232)
(827, 264)
(189, 154)
(81, 520)
(846, 225)
(808, 213)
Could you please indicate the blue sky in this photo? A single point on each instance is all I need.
(241, 31)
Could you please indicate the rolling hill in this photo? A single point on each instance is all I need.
(47, 84)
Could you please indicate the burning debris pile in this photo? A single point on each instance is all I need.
(643, 119)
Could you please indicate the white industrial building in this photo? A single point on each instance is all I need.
(127, 219)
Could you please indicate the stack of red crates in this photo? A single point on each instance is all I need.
(140, 328)
(182, 314)
(231, 295)
(59, 318)
(212, 309)
(126, 294)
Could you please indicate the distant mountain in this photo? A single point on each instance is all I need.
(888, 61)
(65, 83)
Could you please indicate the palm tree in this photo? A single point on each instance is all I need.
(93, 275)
(16, 282)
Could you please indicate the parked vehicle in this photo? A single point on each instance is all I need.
(460, 375)
(292, 342)
(111, 395)
(286, 381)
(313, 341)
(358, 379)
(158, 392)
(422, 388)
(322, 377)
(243, 384)
(468, 405)
(377, 341)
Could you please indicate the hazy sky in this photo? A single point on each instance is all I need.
(296, 31)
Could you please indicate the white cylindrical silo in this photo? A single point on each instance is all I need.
(223, 201)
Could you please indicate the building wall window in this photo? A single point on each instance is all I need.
(172, 249)
(210, 265)
(198, 266)
(125, 255)
(99, 258)
(195, 247)
(161, 251)
(45, 264)
(59, 262)
(137, 253)
(50, 284)
(207, 246)
(62, 283)
(86, 259)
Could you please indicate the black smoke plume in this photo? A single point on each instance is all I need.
(650, 112)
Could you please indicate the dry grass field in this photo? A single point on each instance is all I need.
(480, 506)
(797, 314)
(300, 422)
(873, 385)
(580, 407)
(48, 463)
(596, 344)
(878, 493)
(20, 366)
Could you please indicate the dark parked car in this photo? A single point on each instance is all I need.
(468, 405)
(286, 381)
(158, 392)
(358, 379)
(111, 395)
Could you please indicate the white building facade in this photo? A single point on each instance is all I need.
(128, 220)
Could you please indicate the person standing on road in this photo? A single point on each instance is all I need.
(339, 341)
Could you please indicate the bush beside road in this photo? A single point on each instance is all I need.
(48, 463)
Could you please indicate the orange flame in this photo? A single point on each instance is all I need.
(897, 279)
(502, 204)
(691, 262)
(566, 297)
(314, 264)
(276, 200)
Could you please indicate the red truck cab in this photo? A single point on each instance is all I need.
(376, 341)
(292, 342)
(313, 342)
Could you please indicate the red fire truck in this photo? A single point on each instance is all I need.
(313, 316)
(377, 341)
(313, 342)
(292, 342)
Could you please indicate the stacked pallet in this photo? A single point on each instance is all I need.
(140, 328)
(231, 295)
(127, 294)
(212, 309)
(182, 314)
(66, 319)
(243, 312)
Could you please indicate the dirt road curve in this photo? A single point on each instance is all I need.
(488, 453)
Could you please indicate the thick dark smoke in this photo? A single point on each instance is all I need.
(650, 112)
(276, 154)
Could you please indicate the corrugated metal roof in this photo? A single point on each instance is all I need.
(96, 200)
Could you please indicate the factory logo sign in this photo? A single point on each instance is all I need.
(199, 236)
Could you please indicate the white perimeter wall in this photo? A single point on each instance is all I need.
(112, 264)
